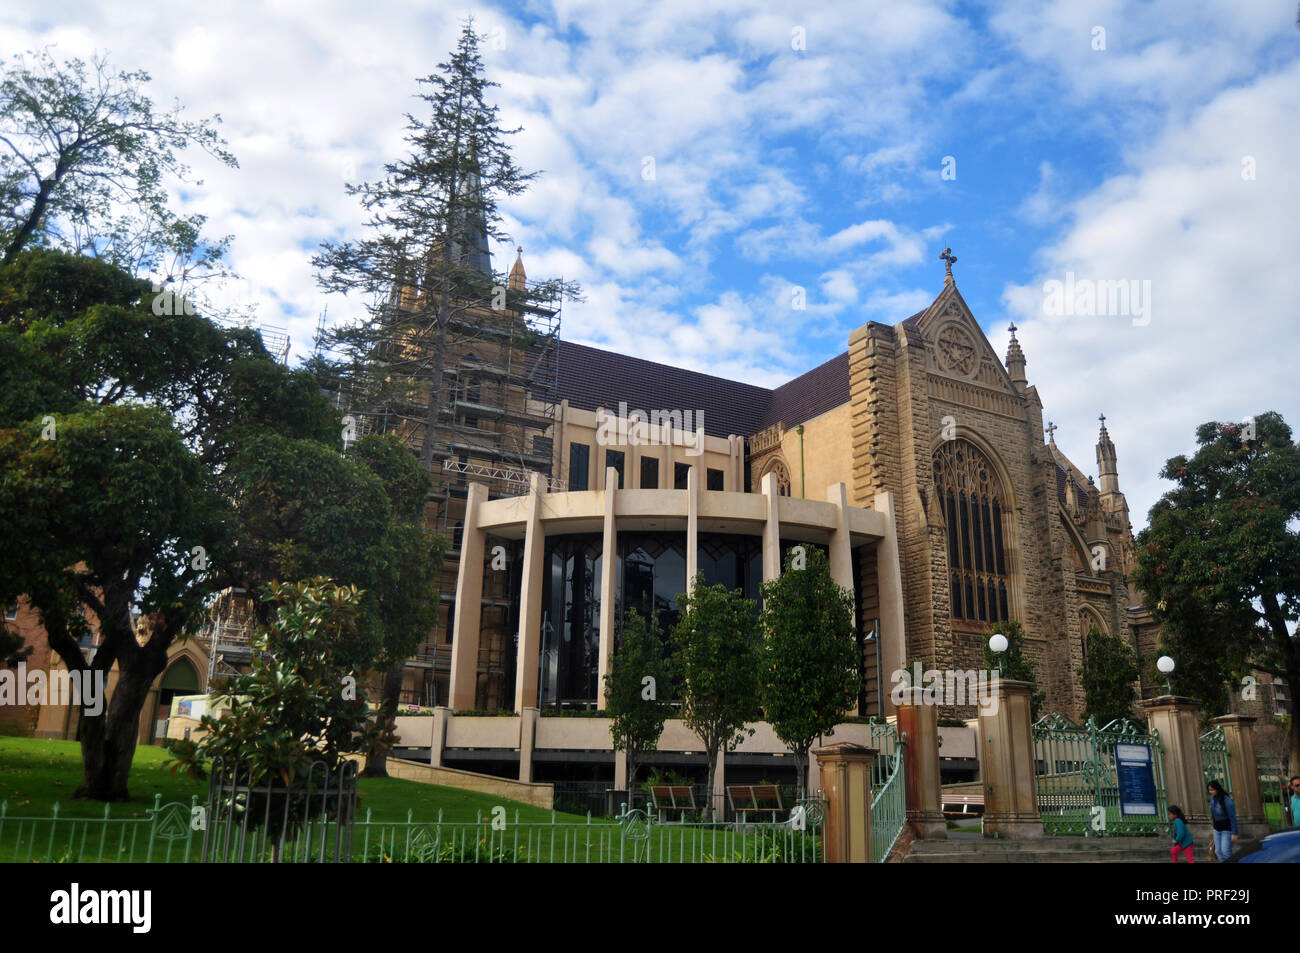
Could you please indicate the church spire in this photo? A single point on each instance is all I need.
(1016, 361)
(1106, 462)
(518, 276)
(469, 245)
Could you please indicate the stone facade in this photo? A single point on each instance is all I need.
(1068, 544)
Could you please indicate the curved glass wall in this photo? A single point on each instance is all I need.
(653, 575)
(570, 643)
(649, 577)
(499, 625)
(734, 561)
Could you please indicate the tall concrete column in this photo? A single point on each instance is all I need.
(620, 770)
(608, 588)
(692, 526)
(467, 619)
(527, 741)
(530, 599)
(920, 726)
(439, 741)
(1007, 764)
(636, 431)
(889, 585)
(1243, 769)
(771, 529)
(841, 549)
(1175, 718)
(736, 478)
(846, 785)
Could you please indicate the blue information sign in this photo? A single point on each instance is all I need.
(1137, 780)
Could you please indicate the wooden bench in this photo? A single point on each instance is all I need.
(755, 799)
(672, 797)
(959, 805)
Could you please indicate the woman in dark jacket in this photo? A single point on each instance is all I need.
(1224, 815)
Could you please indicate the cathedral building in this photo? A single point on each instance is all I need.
(919, 440)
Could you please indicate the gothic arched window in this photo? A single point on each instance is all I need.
(777, 466)
(974, 508)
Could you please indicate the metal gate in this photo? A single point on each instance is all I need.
(1078, 781)
(1214, 758)
(888, 788)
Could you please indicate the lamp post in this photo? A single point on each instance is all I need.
(1166, 666)
(874, 637)
(998, 644)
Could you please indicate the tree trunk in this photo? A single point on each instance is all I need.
(108, 739)
(801, 771)
(710, 812)
(377, 762)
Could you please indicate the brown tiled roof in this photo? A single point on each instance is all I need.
(812, 394)
(591, 378)
(1061, 477)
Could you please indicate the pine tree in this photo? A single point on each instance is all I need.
(424, 263)
(424, 267)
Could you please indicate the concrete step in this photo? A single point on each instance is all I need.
(1048, 850)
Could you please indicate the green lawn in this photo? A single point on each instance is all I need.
(35, 773)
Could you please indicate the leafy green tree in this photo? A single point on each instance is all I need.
(638, 708)
(1110, 669)
(107, 510)
(405, 595)
(148, 462)
(86, 167)
(718, 652)
(303, 703)
(1219, 560)
(1014, 664)
(810, 671)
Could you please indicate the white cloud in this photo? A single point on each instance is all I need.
(1214, 248)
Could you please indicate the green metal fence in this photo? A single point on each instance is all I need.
(1076, 774)
(1214, 758)
(632, 838)
(164, 834)
(169, 833)
(889, 794)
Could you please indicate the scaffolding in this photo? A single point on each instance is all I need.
(227, 636)
(496, 410)
(275, 339)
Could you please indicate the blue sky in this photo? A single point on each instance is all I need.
(801, 145)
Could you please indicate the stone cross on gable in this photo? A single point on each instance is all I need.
(948, 258)
(1051, 429)
(1102, 418)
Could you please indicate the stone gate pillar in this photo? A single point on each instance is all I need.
(1007, 764)
(846, 785)
(1175, 718)
(920, 723)
(1243, 771)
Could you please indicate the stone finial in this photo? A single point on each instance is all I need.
(1016, 362)
(949, 258)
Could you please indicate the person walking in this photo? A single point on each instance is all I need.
(1224, 815)
(1295, 800)
(1182, 836)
